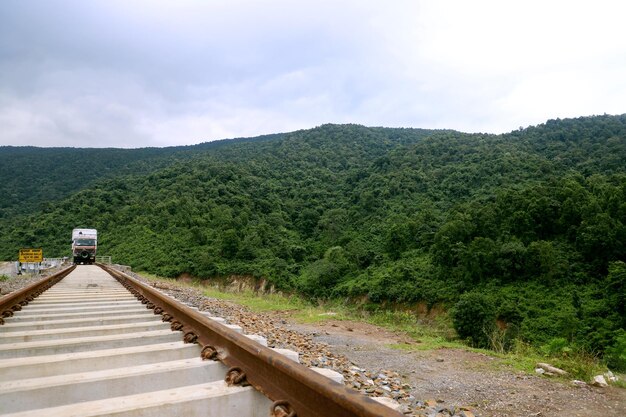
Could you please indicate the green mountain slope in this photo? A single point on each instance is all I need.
(31, 178)
(532, 222)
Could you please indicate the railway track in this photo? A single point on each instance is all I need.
(92, 341)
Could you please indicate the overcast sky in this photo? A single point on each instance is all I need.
(134, 73)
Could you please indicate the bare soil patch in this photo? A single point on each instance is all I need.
(456, 377)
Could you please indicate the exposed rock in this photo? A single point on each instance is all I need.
(444, 412)
(611, 377)
(599, 381)
(388, 402)
(552, 369)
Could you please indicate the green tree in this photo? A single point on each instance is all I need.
(473, 317)
(229, 243)
(615, 288)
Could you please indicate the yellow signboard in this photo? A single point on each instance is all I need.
(31, 255)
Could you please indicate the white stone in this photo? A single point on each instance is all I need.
(234, 327)
(329, 373)
(391, 403)
(290, 354)
(599, 381)
(257, 338)
(214, 318)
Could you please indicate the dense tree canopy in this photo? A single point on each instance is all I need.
(533, 220)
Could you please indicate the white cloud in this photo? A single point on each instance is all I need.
(118, 73)
(519, 63)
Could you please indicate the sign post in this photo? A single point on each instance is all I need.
(31, 255)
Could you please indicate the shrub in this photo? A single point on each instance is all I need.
(473, 317)
(557, 347)
(319, 278)
(615, 355)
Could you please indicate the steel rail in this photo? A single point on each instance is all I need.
(15, 300)
(295, 389)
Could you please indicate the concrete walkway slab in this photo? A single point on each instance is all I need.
(77, 313)
(82, 344)
(73, 332)
(147, 315)
(214, 399)
(65, 306)
(94, 360)
(28, 394)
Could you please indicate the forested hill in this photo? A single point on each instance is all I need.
(527, 227)
(31, 178)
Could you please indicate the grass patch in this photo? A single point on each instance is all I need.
(579, 365)
(428, 343)
(4, 278)
(409, 323)
(259, 303)
(430, 334)
(254, 301)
